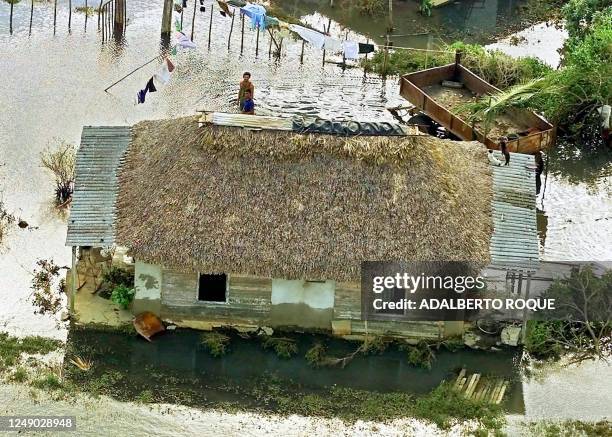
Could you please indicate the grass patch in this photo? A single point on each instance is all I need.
(570, 428)
(48, 382)
(20, 375)
(495, 67)
(11, 348)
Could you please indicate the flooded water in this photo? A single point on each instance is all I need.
(247, 370)
(53, 85)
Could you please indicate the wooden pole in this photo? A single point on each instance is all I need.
(99, 12)
(74, 280)
(86, 15)
(386, 57)
(343, 55)
(54, 14)
(210, 25)
(101, 17)
(327, 31)
(31, 15)
(229, 38)
(166, 27)
(242, 36)
(195, 6)
(302, 54)
(70, 14)
(390, 27)
(11, 21)
(125, 15)
(257, 43)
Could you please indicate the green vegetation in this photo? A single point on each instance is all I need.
(145, 397)
(570, 428)
(123, 296)
(371, 7)
(113, 278)
(49, 382)
(426, 7)
(568, 96)
(89, 11)
(583, 318)
(11, 348)
(443, 406)
(495, 67)
(419, 355)
(215, 342)
(20, 374)
(284, 347)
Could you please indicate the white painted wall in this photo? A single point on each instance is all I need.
(147, 281)
(319, 295)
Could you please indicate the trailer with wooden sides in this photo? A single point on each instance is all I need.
(442, 94)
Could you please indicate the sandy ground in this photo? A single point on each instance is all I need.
(104, 416)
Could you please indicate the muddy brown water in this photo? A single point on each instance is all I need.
(52, 85)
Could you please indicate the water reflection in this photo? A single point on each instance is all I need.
(469, 20)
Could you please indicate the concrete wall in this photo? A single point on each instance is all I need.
(147, 284)
(300, 303)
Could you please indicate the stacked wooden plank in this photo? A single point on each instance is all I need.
(480, 388)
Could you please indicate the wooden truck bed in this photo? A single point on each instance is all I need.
(446, 106)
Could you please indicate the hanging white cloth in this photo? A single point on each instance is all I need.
(162, 77)
(333, 45)
(315, 38)
(351, 50)
(183, 41)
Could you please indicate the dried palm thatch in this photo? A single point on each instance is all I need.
(279, 204)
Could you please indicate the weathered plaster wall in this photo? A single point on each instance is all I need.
(147, 284)
(301, 303)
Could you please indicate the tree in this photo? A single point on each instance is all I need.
(61, 162)
(581, 323)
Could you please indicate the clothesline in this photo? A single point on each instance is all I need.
(418, 50)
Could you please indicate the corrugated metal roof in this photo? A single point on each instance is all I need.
(514, 243)
(92, 212)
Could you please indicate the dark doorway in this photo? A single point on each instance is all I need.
(212, 288)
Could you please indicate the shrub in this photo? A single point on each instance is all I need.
(123, 296)
(284, 347)
(61, 162)
(316, 355)
(118, 276)
(216, 343)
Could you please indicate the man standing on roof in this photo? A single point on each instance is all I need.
(248, 106)
(245, 85)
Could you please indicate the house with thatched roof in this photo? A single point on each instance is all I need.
(267, 227)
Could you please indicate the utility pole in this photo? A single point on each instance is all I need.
(390, 25)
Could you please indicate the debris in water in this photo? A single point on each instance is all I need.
(22, 224)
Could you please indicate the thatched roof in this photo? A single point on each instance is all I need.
(286, 205)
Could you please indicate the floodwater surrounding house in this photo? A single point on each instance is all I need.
(252, 228)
